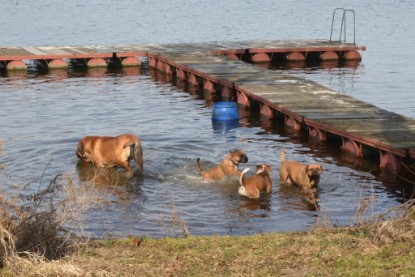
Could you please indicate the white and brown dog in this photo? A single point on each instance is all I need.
(111, 151)
(305, 176)
(254, 185)
(228, 166)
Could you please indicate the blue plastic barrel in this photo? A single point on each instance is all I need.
(224, 111)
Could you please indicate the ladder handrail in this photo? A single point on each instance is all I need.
(343, 24)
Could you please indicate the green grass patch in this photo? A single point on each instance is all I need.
(315, 253)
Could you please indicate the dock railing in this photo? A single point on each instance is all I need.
(343, 13)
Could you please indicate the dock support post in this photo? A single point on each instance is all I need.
(226, 92)
(159, 65)
(191, 78)
(351, 147)
(152, 62)
(317, 134)
(180, 73)
(243, 100)
(389, 162)
(266, 111)
(292, 123)
(167, 69)
(209, 86)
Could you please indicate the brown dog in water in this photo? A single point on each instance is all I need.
(111, 151)
(305, 176)
(253, 186)
(228, 166)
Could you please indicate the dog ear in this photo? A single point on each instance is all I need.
(307, 167)
(80, 149)
(321, 167)
(260, 168)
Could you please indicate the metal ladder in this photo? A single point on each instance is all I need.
(343, 14)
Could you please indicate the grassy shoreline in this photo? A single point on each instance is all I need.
(316, 253)
(377, 248)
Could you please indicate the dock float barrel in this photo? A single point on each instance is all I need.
(224, 116)
(223, 111)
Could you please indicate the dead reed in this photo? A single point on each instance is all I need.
(409, 174)
(396, 224)
(175, 226)
(46, 226)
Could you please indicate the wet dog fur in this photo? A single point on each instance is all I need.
(254, 185)
(105, 151)
(228, 166)
(306, 176)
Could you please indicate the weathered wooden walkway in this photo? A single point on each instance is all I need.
(12, 58)
(304, 105)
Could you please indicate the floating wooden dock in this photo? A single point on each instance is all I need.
(17, 58)
(220, 67)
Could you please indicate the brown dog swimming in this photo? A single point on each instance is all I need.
(305, 176)
(228, 166)
(111, 151)
(254, 185)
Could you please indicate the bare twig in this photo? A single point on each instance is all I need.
(176, 221)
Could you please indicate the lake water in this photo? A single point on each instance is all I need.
(44, 116)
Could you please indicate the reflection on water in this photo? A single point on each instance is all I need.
(263, 203)
(340, 76)
(298, 199)
(48, 117)
(102, 177)
(224, 126)
(113, 180)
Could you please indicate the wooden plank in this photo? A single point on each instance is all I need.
(13, 51)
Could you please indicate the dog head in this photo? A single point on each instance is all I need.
(237, 156)
(81, 151)
(260, 168)
(314, 172)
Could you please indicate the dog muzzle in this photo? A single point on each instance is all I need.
(244, 159)
(315, 175)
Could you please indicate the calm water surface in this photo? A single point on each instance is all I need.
(44, 116)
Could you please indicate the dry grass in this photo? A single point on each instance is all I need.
(409, 175)
(175, 226)
(396, 225)
(46, 226)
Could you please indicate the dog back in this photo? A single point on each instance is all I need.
(107, 151)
